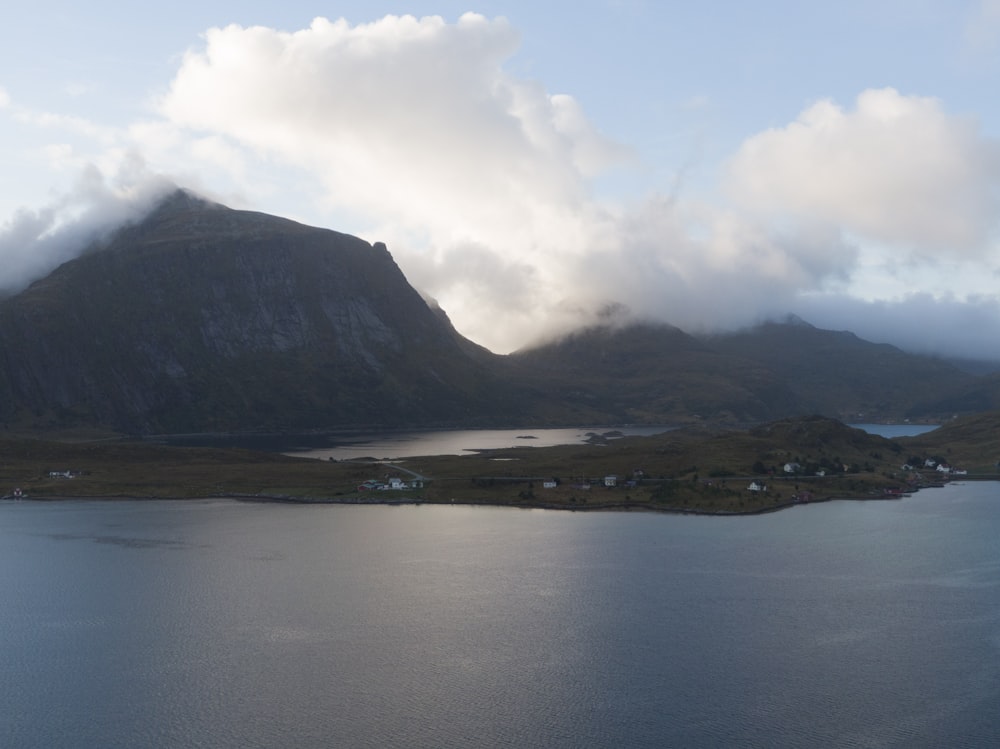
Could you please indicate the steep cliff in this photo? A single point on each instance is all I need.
(202, 318)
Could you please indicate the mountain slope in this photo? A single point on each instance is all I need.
(837, 374)
(656, 373)
(202, 318)
(205, 319)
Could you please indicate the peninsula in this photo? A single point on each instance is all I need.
(696, 470)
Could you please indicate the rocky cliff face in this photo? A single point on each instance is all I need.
(203, 318)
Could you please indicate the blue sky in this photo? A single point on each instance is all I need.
(533, 166)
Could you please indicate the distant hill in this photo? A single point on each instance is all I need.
(971, 442)
(654, 373)
(651, 371)
(837, 374)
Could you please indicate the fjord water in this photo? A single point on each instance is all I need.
(227, 624)
(391, 445)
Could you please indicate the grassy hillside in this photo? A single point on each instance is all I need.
(691, 470)
(970, 442)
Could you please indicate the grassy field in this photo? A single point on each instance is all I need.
(683, 471)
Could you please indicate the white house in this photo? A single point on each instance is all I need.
(611, 480)
(757, 486)
(792, 468)
(549, 484)
(398, 483)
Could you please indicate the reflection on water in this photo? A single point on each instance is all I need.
(891, 431)
(387, 445)
(225, 624)
(391, 444)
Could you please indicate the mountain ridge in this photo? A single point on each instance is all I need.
(202, 318)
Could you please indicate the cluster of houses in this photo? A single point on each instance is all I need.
(797, 468)
(610, 481)
(939, 467)
(392, 484)
(63, 474)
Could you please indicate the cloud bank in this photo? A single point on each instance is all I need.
(879, 216)
(35, 242)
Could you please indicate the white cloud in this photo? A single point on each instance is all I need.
(68, 123)
(480, 182)
(413, 123)
(898, 169)
(919, 322)
(35, 242)
(410, 116)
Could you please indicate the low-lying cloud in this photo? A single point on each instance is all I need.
(34, 242)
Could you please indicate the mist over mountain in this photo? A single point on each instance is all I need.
(200, 318)
(836, 373)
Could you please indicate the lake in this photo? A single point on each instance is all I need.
(224, 624)
(392, 445)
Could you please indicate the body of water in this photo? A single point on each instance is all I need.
(892, 431)
(391, 445)
(224, 624)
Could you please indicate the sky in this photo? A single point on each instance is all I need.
(536, 167)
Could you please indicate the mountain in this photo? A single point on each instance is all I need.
(837, 374)
(653, 373)
(980, 394)
(201, 318)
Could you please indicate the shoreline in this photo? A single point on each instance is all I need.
(604, 507)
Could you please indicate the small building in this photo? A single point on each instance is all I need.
(757, 486)
(549, 484)
(611, 481)
(397, 483)
(792, 468)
